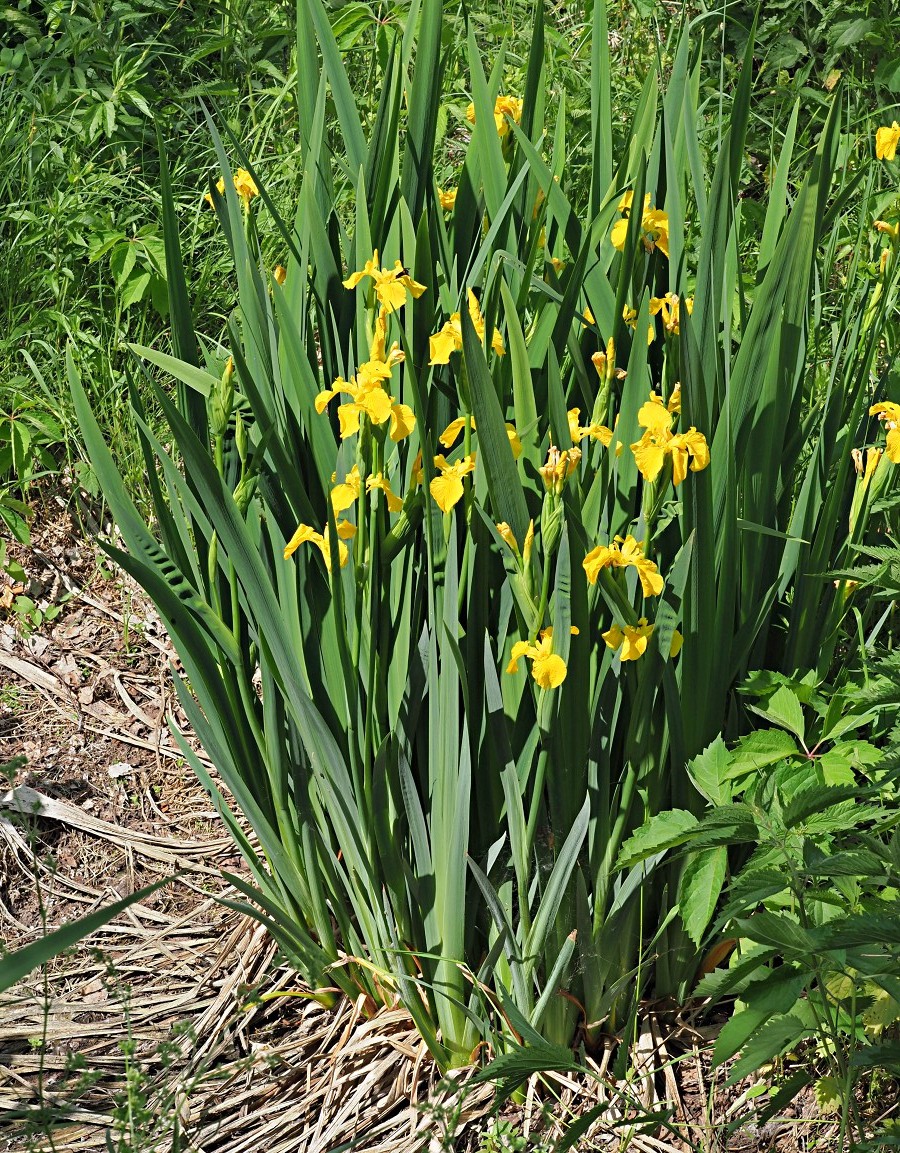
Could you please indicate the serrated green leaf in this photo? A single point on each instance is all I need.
(698, 894)
(664, 831)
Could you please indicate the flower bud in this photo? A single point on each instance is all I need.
(222, 400)
(240, 438)
(552, 515)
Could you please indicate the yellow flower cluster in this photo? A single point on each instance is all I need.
(624, 553)
(447, 488)
(244, 186)
(658, 442)
(391, 285)
(504, 106)
(449, 340)
(370, 399)
(631, 641)
(304, 534)
(547, 667)
(654, 226)
(559, 467)
(670, 307)
(368, 396)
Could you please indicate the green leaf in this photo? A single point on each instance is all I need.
(196, 378)
(663, 831)
(134, 289)
(778, 930)
(784, 709)
(775, 1037)
(504, 486)
(759, 749)
(774, 993)
(698, 894)
(710, 772)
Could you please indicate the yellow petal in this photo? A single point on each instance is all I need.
(886, 410)
(446, 489)
(619, 234)
(304, 533)
(679, 460)
(549, 671)
(413, 287)
(613, 637)
(514, 443)
(324, 398)
(348, 419)
(403, 421)
(344, 495)
(652, 584)
(376, 404)
(451, 433)
(597, 559)
(649, 457)
(634, 642)
(508, 536)
(443, 343)
(654, 416)
(394, 503)
(391, 294)
(886, 140)
(677, 642)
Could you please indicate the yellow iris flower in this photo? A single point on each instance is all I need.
(450, 435)
(624, 553)
(244, 186)
(670, 307)
(447, 488)
(547, 667)
(889, 412)
(559, 467)
(632, 640)
(377, 481)
(391, 285)
(504, 106)
(368, 396)
(654, 226)
(579, 432)
(447, 200)
(886, 141)
(629, 315)
(304, 534)
(659, 441)
(449, 339)
(344, 495)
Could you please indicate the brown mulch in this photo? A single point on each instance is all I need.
(182, 998)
